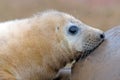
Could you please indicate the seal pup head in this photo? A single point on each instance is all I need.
(75, 38)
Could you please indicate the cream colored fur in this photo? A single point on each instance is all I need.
(36, 48)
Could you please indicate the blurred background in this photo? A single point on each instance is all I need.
(103, 14)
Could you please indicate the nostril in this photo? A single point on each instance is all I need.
(102, 36)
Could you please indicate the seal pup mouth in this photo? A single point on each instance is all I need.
(86, 53)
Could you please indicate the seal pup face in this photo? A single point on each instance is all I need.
(78, 38)
(82, 38)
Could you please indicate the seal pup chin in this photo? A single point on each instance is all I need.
(36, 48)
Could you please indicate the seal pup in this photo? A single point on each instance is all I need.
(36, 48)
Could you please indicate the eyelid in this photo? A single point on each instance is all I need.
(73, 30)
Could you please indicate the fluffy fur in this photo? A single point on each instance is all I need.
(36, 48)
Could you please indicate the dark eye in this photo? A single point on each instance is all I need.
(73, 30)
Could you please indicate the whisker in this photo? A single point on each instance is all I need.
(86, 53)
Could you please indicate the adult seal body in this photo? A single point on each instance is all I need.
(36, 48)
(103, 63)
